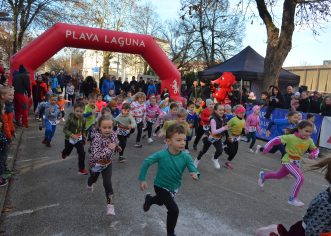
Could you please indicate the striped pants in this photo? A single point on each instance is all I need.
(286, 169)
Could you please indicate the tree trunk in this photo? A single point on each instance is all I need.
(15, 29)
(106, 62)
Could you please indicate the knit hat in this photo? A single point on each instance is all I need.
(239, 109)
(208, 102)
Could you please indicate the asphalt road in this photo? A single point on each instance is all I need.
(48, 197)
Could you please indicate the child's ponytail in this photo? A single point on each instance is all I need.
(325, 165)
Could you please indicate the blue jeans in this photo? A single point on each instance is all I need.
(49, 130)
(251, 135)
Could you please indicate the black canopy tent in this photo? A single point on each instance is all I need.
(248, 65)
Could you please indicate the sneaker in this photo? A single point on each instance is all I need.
(138, 145)
(216, 163)
(90, 188)
(144, 136)
(63, 119)
(242, 138)
(83, 172)
(261, 179)
(3, 182)
(64, 156)
(147, 203)
(196, 163)
(110, 210)
(48, 144)
(186, 151)
(295, 202)
(228, 165)
(150, 140)
(40, 127)
(251, 150)
(195, 147)
(154, 134)
(44, 141)
(121, 159)
(257, 149)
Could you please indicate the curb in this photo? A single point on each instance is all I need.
(12, 155)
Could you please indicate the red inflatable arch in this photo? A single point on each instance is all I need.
(65, 35)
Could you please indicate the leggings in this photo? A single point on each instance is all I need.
(280, 147)
(251, 135)
(164, 197)
(231, 149)
(198, 135)
(80, 150)
(286, 169)
(139, 131)
(206, 144)
(106, 176)
(149, 128)
(122, 143)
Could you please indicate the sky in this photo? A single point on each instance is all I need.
(306, 48)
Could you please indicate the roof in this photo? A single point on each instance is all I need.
(247, 64)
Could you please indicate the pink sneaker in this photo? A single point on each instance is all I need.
(228, 165)
(110, 210)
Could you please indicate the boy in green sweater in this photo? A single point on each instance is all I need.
(171, 165)
(89, 113)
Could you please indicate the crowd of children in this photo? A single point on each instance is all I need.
(104, 123)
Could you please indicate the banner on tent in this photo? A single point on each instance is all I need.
(325, 138)
(281, 114)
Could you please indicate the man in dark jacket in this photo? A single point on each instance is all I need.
(287, 97)
(126, 86)
(315, 103)
(134, 85)
(118, 86)
(195, 91)
(104, 76)
(205, 91)
(22, 92)
(141, 84)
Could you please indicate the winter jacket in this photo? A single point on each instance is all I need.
(106, 86)
(74, 125)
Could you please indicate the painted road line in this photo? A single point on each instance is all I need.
(19, 213)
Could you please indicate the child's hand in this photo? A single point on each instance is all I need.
(194, 175)
(225, 127)
(143, 185)
(74, 136)
(161, 135)
(112, 145)
(267, 133)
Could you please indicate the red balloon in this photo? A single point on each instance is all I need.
(225, 83)
(64, 35)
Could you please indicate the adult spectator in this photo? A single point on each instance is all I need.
(54, 82)
(134, 85)
(22, 92)
(287, 97)
(39, 91)
(205, 91)
(107, 85)
(118, 86)
(45, 77)
(304, 102)
(326, 106)
(195, 91)
(234, 96)
(148, 82)
(141, 84)
(61, 80)
(126, 85)
(315, 102)
(103, 78)
(165, 93)
(276, 100)
(151, 88)
(89, 86)
(75, 83)
(158, 87)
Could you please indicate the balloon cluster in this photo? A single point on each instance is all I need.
(224, 86)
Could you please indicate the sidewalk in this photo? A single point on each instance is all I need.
(12, 154)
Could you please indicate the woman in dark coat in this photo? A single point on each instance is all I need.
(89, 86)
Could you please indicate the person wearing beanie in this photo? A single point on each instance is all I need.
(235, 128)
(204, 124)
(253, 125)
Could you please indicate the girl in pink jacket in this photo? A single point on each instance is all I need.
(152, 113)
(253, 125)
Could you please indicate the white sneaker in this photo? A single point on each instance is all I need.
(90, 188)
(63, 119)
(196, 163)
(110, 210)
(257, 149)
(251, 150)
(154, 134)
(186, 151)
(150, 140)
(296, 202)
(216, 163)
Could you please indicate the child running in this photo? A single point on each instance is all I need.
(125, 123)
(296, 146)
(171, 165)
(152, 113)
(217, 127)
(138, 111)
(236, 126)
(103, 146)
(89, 114)
(253, 125)
(74, 130)
(192, 119)
(52, 116)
